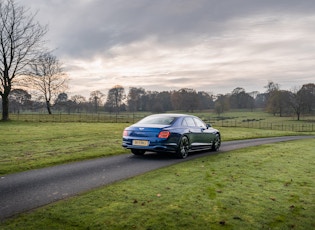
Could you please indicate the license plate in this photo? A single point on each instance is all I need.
(140, 142)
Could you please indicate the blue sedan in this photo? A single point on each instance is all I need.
(177, 133)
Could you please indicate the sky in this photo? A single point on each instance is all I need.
(207, 45)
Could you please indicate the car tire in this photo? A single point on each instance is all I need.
(138, 152)
(183, 148)
(216, 142)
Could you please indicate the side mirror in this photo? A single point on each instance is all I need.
(208, 126)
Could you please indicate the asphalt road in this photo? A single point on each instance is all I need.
(28, 190)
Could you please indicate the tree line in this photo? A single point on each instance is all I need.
(274, 100)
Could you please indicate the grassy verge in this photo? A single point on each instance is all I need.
(31, 145)
(25, 145)
(264, 187)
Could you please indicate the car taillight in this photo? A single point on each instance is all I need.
(164, 134)
(125, 133)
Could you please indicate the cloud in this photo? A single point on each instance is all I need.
(209, 45)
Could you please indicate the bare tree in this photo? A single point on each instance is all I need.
(296, 102)
(222, 104)
(79, 102)
(47, 78)
(302, 100)
(96, 98)
(20, 43)
(115, 98)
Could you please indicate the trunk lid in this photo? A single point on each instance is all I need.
(145, 130)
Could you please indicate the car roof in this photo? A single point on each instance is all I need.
(172, 114)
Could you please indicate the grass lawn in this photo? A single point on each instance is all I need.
(263, 187)
(31, 145)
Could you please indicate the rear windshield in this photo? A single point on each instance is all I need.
(158, 120)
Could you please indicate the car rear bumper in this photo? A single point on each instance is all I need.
(165, 147)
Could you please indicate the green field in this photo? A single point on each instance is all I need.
(31, 145)
(265, 187)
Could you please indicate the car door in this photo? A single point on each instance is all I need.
(191, 130)
(194, 132)
(204, 137)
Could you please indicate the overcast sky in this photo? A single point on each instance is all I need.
(207, 45)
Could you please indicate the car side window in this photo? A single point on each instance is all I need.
(200, 123)
(188, 121)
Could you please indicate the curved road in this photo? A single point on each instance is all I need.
(31, 189)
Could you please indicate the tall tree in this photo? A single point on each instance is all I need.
(273, 97)
(96, 98)
(307, 93)
(62, 103)
(115, 98)
(149, 101)
(222, 104)
(205, 100)
(162, 102)
(239, 99)
(134, 99)
(79, 102)
(271, 86)
(47, 78)
(302, 100)
(279, 102)
(297, 104)
(185, 99)
(20, 44)
(19, 99)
